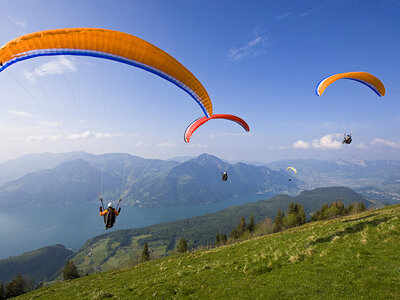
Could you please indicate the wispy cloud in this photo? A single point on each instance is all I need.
(19, 113)
(361, 146)
(253, 48)
(74, 136)
(17, 22)
(166, 144)
(59, 65)
(50, 124)
(88, 135)
(197, 146)
(387, 143)
(55, 137)
(310, 10)
(285, 15)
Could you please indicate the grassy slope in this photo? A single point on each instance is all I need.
(120, 248)
(351, 257)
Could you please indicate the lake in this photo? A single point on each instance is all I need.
(30, 227)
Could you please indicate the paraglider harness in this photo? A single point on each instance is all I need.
(224, 176)
(109, 217)
(347, 139)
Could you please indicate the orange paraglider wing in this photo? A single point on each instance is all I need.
(109, 44)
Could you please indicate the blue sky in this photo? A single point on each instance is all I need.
(260, 60)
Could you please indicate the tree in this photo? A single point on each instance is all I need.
(252, 226)
(2, 291)
(241, 228)
(234, 234)
(70, 271)
(16, 287)
(145, 253)
(278, 221)
(220, 239)
(182, 246)
(302, 218)
(291, 209)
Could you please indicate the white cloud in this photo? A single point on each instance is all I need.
(361, 146)
(17, 22)
(301, 145)
(329, 141)
(252, 48)
(197, 146)
(56, 137)
(386, 143)
(59, 65)
(19, 113)
(88, 135)
(166, 144)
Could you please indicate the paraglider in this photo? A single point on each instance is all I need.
(293, 169)
(109, 214)
(109, 44)
(224, 176)
(200, 121)
(347, 139)
(363, 77)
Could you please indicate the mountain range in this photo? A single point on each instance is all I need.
(80, 177)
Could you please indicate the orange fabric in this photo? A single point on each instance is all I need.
(107, 41)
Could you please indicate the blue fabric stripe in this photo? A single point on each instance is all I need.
(51, 52)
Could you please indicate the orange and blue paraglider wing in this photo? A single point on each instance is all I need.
(109, 44)
(363, 77)
(200, 121)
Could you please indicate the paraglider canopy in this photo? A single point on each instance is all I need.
(363, 77)
(200, 121)
(109, 44)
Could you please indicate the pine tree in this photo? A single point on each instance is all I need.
(2, 291)
(241, 226)
(218, 239)
(145, 253)
(252, 226)
(70, 271)
(223, 239)
(278, 221)
(301, 217)
(16, 287)
(291, 209)
(182, 246)
(234, 234)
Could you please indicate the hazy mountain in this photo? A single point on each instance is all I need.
(13, 169)
(353, 173)
(146, 182)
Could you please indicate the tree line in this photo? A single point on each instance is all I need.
(293, 217)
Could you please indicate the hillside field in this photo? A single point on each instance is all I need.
(352, 257)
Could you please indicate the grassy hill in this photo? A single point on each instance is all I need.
(122, 248)
(352, 257)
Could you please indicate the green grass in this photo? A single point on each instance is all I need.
(351, 257)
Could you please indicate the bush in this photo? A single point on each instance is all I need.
(70, 271)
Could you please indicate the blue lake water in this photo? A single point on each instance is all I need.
(28, 228)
